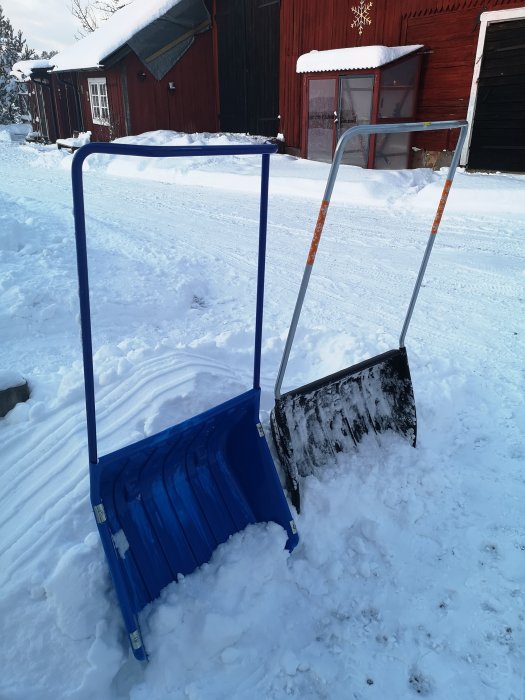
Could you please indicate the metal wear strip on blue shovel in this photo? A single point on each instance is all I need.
(163, 504)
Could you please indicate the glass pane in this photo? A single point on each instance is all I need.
(99, 101)
(321, 107)
(355, 107)
(398, 90)
(392, 151)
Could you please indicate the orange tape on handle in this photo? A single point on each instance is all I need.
(317, 233)
(441, 207)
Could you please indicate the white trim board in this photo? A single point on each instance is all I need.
(485, 19)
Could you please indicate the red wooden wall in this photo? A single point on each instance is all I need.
(448, 29)
(66, 107)
(117, 128)
(151, 105)
(190, 107)
(40, 99)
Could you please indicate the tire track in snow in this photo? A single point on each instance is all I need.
(30, 494)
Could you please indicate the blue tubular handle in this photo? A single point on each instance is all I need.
(82, 266)
(263, 219)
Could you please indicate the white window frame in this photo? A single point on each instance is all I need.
(485, 19)
(97, 97)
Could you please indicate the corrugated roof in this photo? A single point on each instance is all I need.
(355, 58)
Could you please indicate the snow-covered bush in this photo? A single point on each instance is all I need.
(13, 48)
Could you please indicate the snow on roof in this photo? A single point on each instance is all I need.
(22, 69)
(358, 57)
(90, 51)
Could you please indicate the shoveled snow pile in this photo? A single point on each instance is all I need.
(408, 580)
(75, 142)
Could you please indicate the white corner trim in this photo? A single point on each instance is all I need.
(485, 19)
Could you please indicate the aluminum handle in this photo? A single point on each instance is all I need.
(368, 129)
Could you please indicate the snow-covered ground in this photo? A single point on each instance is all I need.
(409, 576)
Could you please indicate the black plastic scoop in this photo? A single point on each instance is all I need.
(314, 423)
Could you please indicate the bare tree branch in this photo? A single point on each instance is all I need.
(90, 14)
(86, 16)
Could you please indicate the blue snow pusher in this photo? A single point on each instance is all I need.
(163, 504)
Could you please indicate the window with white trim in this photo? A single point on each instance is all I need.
(98, 97)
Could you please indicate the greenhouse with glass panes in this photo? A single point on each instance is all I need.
(361, 85)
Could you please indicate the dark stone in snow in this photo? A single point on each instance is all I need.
(12, 392)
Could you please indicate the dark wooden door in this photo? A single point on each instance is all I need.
(498, 132)
(42, 105)
(248, 55)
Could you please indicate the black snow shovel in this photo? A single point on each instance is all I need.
(312, 424)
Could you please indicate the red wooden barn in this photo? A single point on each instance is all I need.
(150, 66)
(303, 69)
(472, 63)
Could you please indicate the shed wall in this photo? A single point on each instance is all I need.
(69, 118)
(117, 127)
(247, 51)
(41, 106)
(191, 106)
(448, 30)
(138, 102)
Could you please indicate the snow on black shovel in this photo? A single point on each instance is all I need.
(312, 424)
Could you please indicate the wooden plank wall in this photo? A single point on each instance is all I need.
(65, 103)
(191, 106)
(117, 128)
(451, 39)
(448, 29)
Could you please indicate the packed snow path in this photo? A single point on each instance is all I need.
(409, 576)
